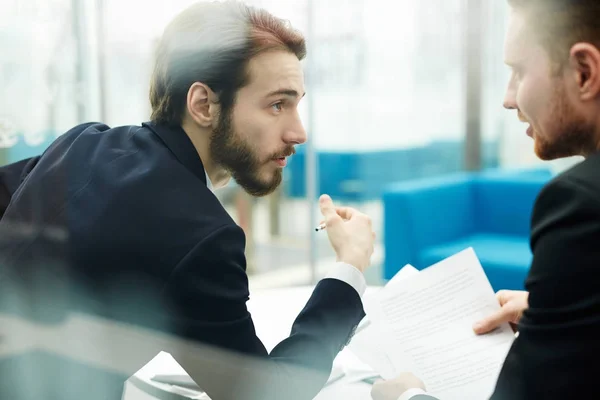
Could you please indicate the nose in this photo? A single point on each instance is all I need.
(510, 98)
(295, 132)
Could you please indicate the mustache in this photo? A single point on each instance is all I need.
(290, 151)
(522, 117)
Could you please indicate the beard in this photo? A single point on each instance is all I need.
(571, 135)
(240, 160)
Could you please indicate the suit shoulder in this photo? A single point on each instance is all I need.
(570, 198)
(88, 127)
(96, 133)
(140, 180)
(100, 127)
(584, 176)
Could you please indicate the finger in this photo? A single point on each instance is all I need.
(503, 296)
(378, 391)
(328, 209)
(491, 322)
(345, 212)
(326, 206)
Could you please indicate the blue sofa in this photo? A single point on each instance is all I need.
(22, 150)
(362, 175)
(427, 220)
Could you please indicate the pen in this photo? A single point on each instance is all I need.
(321, 227)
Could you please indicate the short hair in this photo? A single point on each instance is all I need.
(212, 43)
(559, 24)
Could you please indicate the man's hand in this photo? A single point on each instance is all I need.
(350, 233)
(391, 390)
(512, 303)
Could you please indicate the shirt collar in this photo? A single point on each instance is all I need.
(176, 140)
(208, 182)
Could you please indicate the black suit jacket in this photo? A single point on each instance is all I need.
(120, 223)
(556, 353)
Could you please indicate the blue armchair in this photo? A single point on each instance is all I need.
(360, 175)
(427, 220)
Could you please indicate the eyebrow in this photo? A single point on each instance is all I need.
(286, 92)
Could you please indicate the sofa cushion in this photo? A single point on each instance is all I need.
(505, 259)
(504, 204)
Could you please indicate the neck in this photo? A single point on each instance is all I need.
(200, 138)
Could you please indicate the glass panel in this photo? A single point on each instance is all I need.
(37, 75)
(387, 90)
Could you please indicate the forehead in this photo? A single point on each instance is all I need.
(275, 70)
(518, 41)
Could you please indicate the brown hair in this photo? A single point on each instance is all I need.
(212, 43)
(559, 24)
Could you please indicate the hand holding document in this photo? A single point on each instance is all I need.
(423, 324)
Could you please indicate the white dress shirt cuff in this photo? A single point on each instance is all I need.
(410, 393)
(349, 274)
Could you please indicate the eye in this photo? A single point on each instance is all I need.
(277, 106)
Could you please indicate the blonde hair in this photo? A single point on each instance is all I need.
(559, 24)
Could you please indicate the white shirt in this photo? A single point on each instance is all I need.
(349, 274)
(208, 182)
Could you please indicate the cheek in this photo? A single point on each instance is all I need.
(536, 96)
(525, 101)
(255, 134)
(245, 125)
(258, 129)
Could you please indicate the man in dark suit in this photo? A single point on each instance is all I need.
(122, 222)
(553, 49)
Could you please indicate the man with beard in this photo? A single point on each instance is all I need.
(552, 48)
(122, 223)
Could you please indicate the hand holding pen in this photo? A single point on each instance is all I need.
(350, 233)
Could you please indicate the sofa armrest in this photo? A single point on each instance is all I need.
(422, 213)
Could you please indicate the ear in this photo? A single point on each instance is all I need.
(585, 61)
(202, 104)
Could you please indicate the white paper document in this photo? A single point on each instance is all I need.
(366, 343)
(425, 327)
